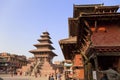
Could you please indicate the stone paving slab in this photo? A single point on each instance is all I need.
(8, 77)
(22, 78)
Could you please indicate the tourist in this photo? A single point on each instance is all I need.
(49, 76)
(52, 78)
(55, 76)
(58, 76)
(20, 73)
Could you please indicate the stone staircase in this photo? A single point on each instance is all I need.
(47, 69)
(36, 67)
(33, 68)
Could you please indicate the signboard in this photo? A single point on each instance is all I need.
(94, 75)
(68, 64)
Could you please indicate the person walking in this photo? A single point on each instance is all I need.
(49, 77)
(58, 76)
(52, 78)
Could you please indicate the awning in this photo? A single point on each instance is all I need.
(68, 64)
(70, 40)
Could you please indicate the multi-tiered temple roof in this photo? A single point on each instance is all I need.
(44, 45)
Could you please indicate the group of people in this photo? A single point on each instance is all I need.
(56, 76)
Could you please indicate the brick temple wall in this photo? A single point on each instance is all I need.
(107, 35)
(78, 66)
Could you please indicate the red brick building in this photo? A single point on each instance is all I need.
(11, 62)
(93, 41)
(98, 39)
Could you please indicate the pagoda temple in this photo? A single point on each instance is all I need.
(94, 40)
(43, 55)
(98, 39)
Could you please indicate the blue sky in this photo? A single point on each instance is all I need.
(23, 21)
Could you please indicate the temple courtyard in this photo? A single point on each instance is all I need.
(9, 77)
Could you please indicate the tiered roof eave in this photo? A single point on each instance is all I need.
(41, 51)
(45, 39)
(45, 36)
(45, 45)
